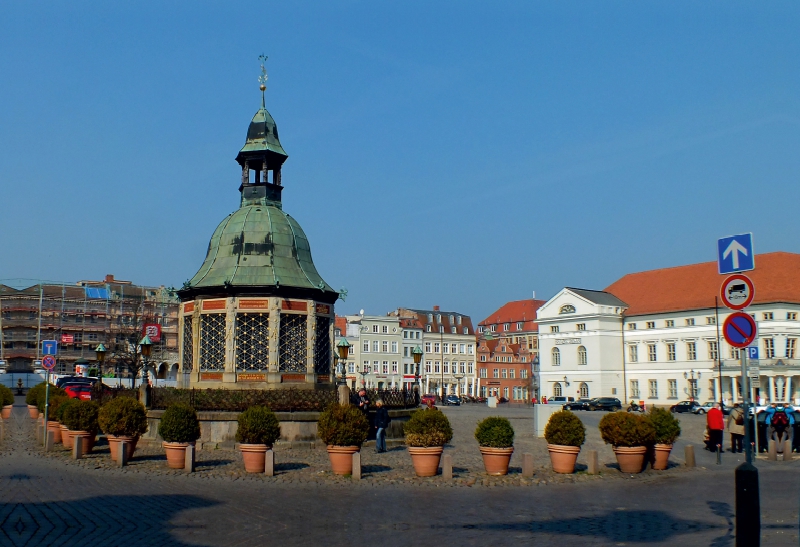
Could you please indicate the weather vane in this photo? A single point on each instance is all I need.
(263, 78)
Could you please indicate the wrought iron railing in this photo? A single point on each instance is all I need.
(238, 400)
(392, 398)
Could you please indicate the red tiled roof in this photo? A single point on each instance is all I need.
(341, 324)
(692, 287)
(516, 311)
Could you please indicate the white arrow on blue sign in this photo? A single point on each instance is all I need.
(735, 254)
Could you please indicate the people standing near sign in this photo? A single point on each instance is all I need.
(716, 427)
(736, 428)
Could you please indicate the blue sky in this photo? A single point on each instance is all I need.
(452, 153)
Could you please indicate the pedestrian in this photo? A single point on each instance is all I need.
(381, 423)
(544, 400)
(716, 427)
(363, 401)
(736, 428)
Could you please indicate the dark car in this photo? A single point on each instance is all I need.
(580, 404)
(452, 400)
(75, 380)
(708, 406)
(605, 403)
(684, 406)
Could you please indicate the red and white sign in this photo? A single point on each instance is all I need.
(67, 339)
(49, 362)
(153, 331)
(737, 291)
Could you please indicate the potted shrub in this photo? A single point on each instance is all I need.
(495, 438)
(343, 428)
(122, 419)
(565, 434)
(32, 399)
(7, 397)
(668, 429)
(56, 399)
(179, 427)
(257, 432)
(426, 433)
(629, 434)
(80, 417)
(59, 416)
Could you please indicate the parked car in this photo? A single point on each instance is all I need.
(580, 404)
(428, 397)
(80, 391)
(707, 406)
(605, 403)
(560, 400)
(684, 406)
(75, 380)
(452, 400)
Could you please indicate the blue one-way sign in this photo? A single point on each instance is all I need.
(735, 254)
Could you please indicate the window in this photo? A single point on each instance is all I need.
(462, 348)
(493, 328)
(581, 326)
(438, 317)
(691, 351)
(436, 347)
(496, 373)
(351, 350)
(734, 353)
(523, 373)
(693, 391)
(690, 322)
(713, 351)
(652, 355)
(651, 324)
(633, 353)
(483, 372)
(512, 373)
(669, 323)
(653, 389)
(454, 348)
(375, 346)
(374, 328)
(436, 366)
(375, 367)
(405, 334)
(635, 389)
(452, 319)
(557, 389)
(483, 358)
(673, 389)
(671, 351)
(386, 367)
(430, 317)
(768, 315)
(504, 373)
(446, 368)
(394, 347)
(556, 357)
(351, 367)
(470, 349)
(428, 367)
(792, 315)
(385, 329)
(790, 346)
(428, 328)
(505, 392)
(441, 328)
(711, 320)
(466, 330)
(405, 352)
(631, 326)
(507, 327)
(769, 348)
(385, 346)
(469, 369)
(584, 389)
(519, 326)
(582, 359)
(366, 346)
(427, 347)
(454, 330)
(445, 348)
(554, 329)
(459, 320)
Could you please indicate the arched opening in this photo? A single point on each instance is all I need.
(557, 389)
(584, 390)
(173, 372)
(582, 358)
(162, 371)
(556, 356)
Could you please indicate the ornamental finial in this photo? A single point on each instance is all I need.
(262, 80)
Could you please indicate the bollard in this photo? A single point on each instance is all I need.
(77, 447)
(447, 466)
(527, 465)
(719, 454)
(772, 453)
(688, 455)
(356, 473)
(593, 463)
(39, 433)
(2, 430)
(49, 441)
(188, 464)
(122, 454)
(269, 463)
(748, 506)
(787, 451)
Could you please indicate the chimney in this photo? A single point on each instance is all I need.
(436, 308)
(109, 278)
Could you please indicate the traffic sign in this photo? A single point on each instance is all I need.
(735, 254)
(739, 329)
(752, 353)
(737, 291)
(49, 362)
(49, 347)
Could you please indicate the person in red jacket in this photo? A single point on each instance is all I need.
(716, 427)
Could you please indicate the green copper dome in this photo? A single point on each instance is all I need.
(262, 137)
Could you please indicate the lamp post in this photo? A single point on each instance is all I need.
(692, 385)
(343, 349)
(146, 347)
(100, 352)
(416, 353)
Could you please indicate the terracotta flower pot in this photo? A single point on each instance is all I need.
(661, 456)
(176, 454)
(254, 457)
(86, 437)
(426, 460)
(563, 457)
(495, 460)
(342, 459)
(113, 445)
(630, 459)
(55, 427)
(66, 438)
(6, 412)
(33, 411)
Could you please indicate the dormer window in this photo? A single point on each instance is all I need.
(428, 328)
(519, 326)
(441, 328)
(454, 330)
(507, 326)
(438, 318)
(452, 319)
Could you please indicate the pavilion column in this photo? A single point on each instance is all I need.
(717, 391)
(274, 339)
(229, 374)
(311, 340)
(196, 342)
(789, 394)
(771, 397)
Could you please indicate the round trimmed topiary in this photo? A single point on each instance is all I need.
(624, 429)
(81, 416)
(51, 394)
(565, 428)
(55, 402)
(59, 413)
(258, 425)
(342, 425)
(427, 428)
(123, 417)
(6, 395)
(32, 397)
(667, 427)
(495, 432)
(179, 424)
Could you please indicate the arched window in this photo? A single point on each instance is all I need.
(582, 360)
(557, 389)
(584, 390)
(556, 357)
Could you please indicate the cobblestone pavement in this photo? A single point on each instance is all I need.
(49, 500)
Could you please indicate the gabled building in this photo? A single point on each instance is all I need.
(504, 369)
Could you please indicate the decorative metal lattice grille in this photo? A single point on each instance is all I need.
(252, 341)
(293, 343)
(212, 342)
(188, 344)
(322, 346)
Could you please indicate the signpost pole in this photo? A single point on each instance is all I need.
(746, 401)
(46, 401)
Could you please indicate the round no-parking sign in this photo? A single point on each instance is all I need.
(739, 329)
(49, 362)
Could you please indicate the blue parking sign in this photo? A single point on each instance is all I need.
(752, 353)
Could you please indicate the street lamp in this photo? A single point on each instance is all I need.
(100, 352)
(343, 348)
(145, 346)
(416, 353)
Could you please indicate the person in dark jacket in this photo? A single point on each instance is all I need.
(363, 401)
(381, 423)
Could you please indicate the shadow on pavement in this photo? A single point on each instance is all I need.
(100, 520)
